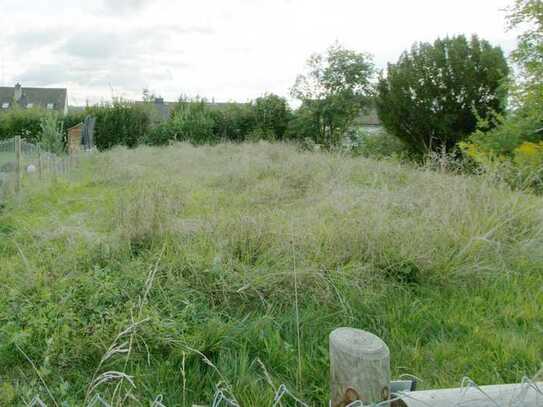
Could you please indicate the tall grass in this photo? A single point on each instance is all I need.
(242, 258)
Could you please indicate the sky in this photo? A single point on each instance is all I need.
(227, 50)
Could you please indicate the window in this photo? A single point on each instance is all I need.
(50, 106)
(5, 105)
(30, 105)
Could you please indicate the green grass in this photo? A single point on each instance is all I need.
(202, 247)
(6, 157)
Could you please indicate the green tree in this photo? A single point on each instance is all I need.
(435, 94)
(272, 115)
(528, 14)
(333, 92)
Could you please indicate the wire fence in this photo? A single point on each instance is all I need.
(20, 159)
(469, 394)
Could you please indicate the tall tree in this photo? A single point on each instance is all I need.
(528, 15)
(335, 88)
(435, 94)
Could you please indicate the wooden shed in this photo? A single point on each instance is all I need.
(74, 138)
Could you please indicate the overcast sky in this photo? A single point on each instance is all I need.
(226, 49)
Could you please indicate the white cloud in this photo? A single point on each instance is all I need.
(125, 6)
(227, 49)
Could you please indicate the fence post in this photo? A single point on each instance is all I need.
(18, 165)
(40, 169)
(359, 367)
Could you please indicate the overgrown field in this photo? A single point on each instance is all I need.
(230, 265)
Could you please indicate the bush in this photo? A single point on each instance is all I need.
(304, 124)
(192, 121)
(21, 122)
(272, 116)
(52, 134)
(379, 145)
(120, 123)
(160, 135)
(522, 168)
(436, 93)
(234, 122)
(200, 122)
(510, 147)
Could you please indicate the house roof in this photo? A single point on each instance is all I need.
(39, 97)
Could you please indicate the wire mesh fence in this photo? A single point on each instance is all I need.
(21, 159)
(526, 394)
(7, 154)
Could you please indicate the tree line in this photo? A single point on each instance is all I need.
(457, 94)
(433, 96)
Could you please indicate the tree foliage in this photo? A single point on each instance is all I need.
(525, 120)
(21, 122)
(119, 123)
(526, 117)
(52, 133)
(272, 115)
(435, 94)
(193, 121)
(513, 148)
(197, 121)
(333, 91)
(528, 15)
(27, 123)
(234, 121)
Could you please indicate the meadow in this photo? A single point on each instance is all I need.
(172, 270)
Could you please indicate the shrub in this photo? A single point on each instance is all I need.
(234, 121)
(21, 122)
(378, 145)
(436, 92)
(52, 133)
(120, 123)
(510, 146)
(162, 134)
(272, 115)
(192, 121)
(522, 168)
(303, 124)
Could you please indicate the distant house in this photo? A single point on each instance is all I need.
(53, 99)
